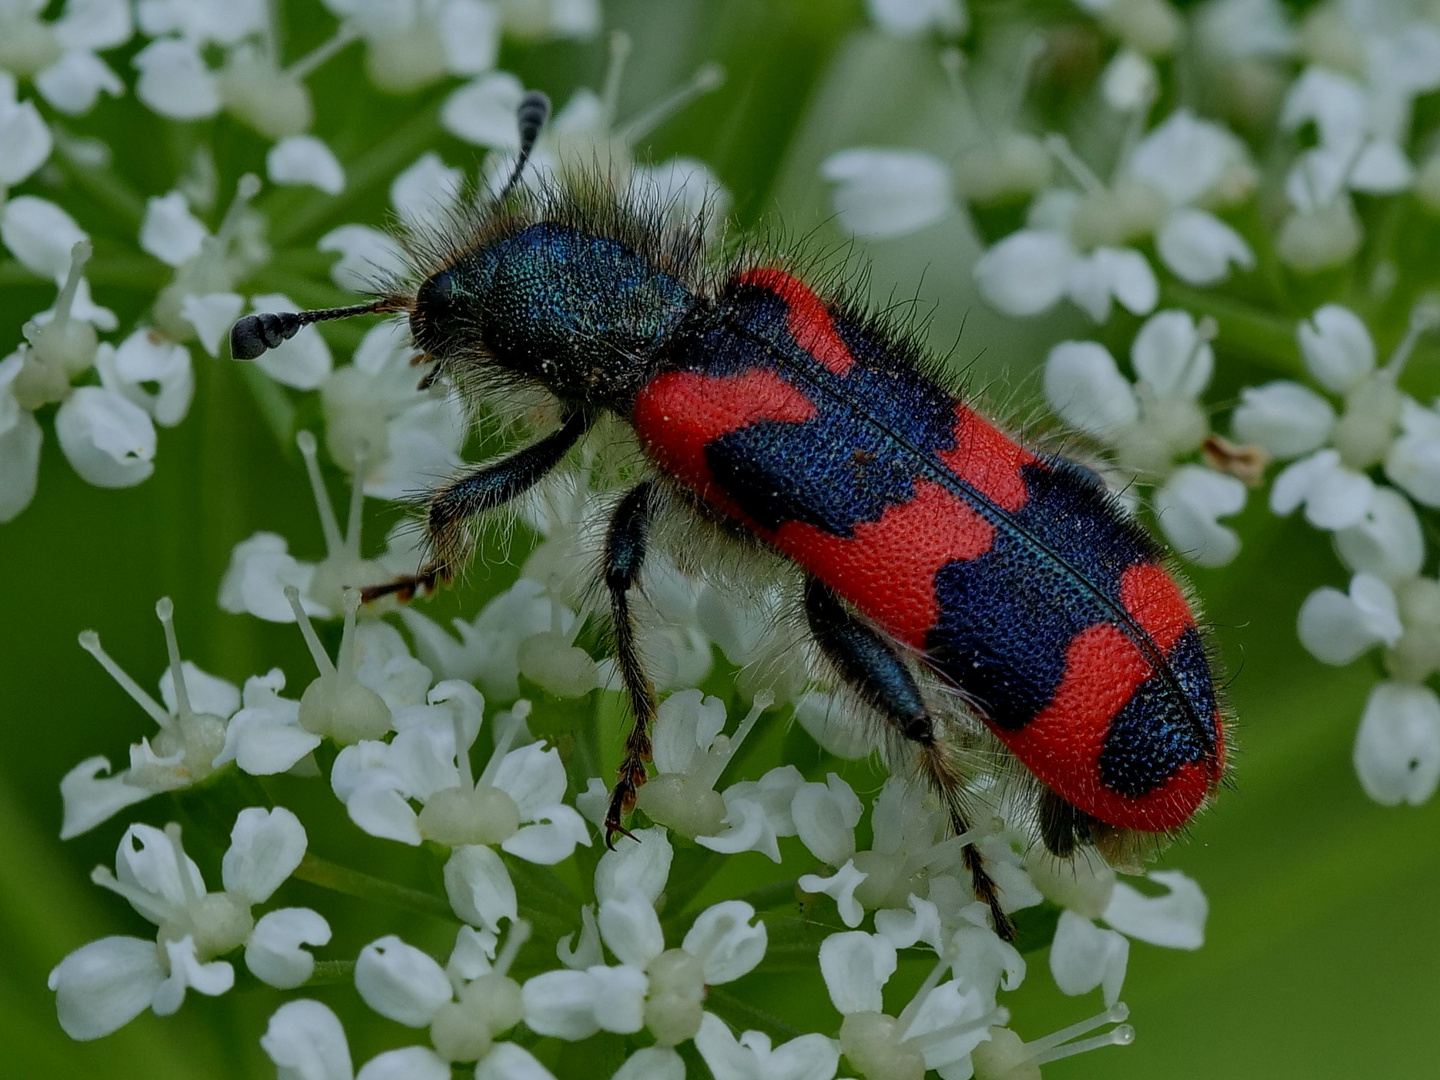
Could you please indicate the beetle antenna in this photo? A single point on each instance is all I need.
(254, 335)
(530, 117)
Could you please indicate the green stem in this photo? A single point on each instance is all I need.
(364, 887)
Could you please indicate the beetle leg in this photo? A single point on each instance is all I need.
(866, 661)
(624, 556)
(450, 509)
(1063, 825)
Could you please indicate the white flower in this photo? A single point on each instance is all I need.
(1331, 481)
(883, 193)
(1083, 955)
(1397, 749)
(1029, 271)
(192, 736)
(752, 1056)
(1195, 164)
(102, 986)
(939, 1027)
(662, 990)
(422, 764)
(148, 357)
(410, 45)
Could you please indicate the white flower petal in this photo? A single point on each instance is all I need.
(94, 24)
(25, 141)
(652, 1063)
(1397, 749)
(841, 887)
(426, 192)
(1084, 386)
(1387, 542)
(748, 828)
(1183, 157)
(306, 1042)
(90, 799)
(175, 82)
(188, 973)
(1175, 921)
(1130, 81)
(265, 848)
(1413, 464)
(208, 693)
(1027, 272)
(102, 986)
(506, 1061)
(407, 1063)
(825, 817)
(856, 967)
(907, 17)
(1381, 168)
(479, 887)
(39, 234)
(483, 112)
(73, 83)
(1170, 354)
(726, 943)
(1187, 506)
(212, 315)
(470, 30)
(883, 193)
(147, 356)
(1284, 418)
(304, 159)
(631, 929)
(19, 463)
(642, 864)
(400, 982)
(1199, 248)
(108, 439)
(367, 256)
(1084, 956)
(1337, 630)
(808, 1057)
(273, 953)
(1337, 348)
(553, 839)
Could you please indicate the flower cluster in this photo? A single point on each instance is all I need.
(472, 749)
(1177, 222)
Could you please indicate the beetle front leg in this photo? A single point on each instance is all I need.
(625, 547)
(450, 510)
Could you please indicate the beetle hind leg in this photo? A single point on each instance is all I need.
(877, 673)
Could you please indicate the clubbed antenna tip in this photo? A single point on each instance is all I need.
(530, 117)
(254, 335)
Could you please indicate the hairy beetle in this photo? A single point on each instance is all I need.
(924, 536)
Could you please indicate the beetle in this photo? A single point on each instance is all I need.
(925, 538)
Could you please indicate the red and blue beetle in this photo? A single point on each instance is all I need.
(925, 538)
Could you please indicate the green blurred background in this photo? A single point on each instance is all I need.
(1322, 956)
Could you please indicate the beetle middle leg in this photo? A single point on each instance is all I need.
(451, 509)
(871, 667)
(625, 546)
